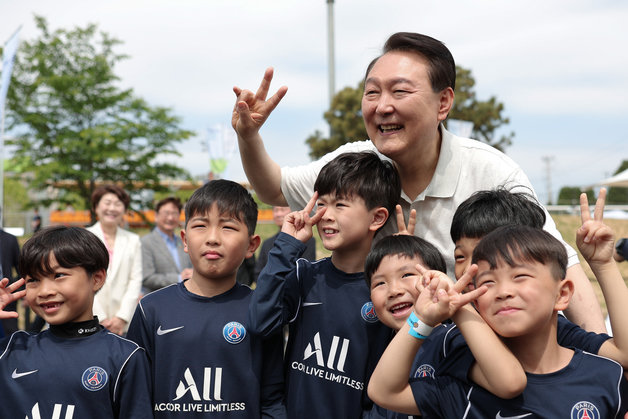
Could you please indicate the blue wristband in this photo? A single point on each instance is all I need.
(418, 329)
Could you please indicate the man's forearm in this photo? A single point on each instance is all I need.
(261, 170)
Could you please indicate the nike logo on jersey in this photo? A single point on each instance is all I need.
(16, 374)
(499, 416)
(307, 304)
(161, 331)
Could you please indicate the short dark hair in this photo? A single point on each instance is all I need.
(72, 247)
(515, 243)
(363, 175)
(102, 190)
(442, 67)
(406, 246)
(169, 200)
(229, 197)
(484, 211)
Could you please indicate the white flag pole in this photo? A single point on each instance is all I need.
(8, 56)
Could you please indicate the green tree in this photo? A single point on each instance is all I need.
(570, 195)
(486, 115)
(73, 126)
(346, 124)
(615, 194)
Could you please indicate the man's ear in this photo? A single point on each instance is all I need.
(446, 102)
(380, 216)
(185, 243)
(565, 291)
(99, 278)
(254, 242)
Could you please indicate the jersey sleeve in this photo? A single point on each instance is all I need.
(276, 298)
(572, 335)
(139, 331)
(133, 392)
(427, 396)
(444, 353)
(272, 380)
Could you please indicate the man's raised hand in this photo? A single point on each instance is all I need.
(252, 109)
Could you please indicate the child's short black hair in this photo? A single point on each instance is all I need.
(229, 197)
(515, 243)
(484, 211)
(405, 246)
(364, 175)
(72, 247)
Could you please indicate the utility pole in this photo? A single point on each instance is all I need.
(330, 53)
(548, 176)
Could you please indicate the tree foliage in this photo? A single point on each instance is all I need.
(617, 195)
(346, 124)
(570, 195)
(486, 115)
(72, 126)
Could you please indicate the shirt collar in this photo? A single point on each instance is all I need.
(165, 236)
(445, 179)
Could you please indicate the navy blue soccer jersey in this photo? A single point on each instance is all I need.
(335, 338)
(590, 387)
(98, 376)
(204, 360)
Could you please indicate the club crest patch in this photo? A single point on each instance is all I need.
(425, 370)
(368, 313)
(584, 410)
(94, 378)
(234, 332)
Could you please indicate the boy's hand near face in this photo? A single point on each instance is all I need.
(594, 238)
(440, 298)
(8, 294)
(299, 224)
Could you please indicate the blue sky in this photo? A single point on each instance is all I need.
(559, 67)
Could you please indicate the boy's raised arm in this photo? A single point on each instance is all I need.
(276, 299)
(437, 301)
(8, 294)
(595, 240)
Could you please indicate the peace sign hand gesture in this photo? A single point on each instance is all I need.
(252, 109)
(8, 294)
(594, 238)
(299, 223)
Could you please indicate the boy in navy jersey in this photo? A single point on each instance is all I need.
(522, 270)
(204, 360)
(477, 216)
(76, 368)
(391, 273)
(335, 337)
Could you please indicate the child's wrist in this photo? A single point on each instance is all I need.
(418, 329)
(601, 268)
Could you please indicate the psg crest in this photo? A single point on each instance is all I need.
(368, 313)
(425, 370)
(94, 378)
(584, 410)
(234, 332)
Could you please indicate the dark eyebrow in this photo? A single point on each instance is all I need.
(393, 81)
